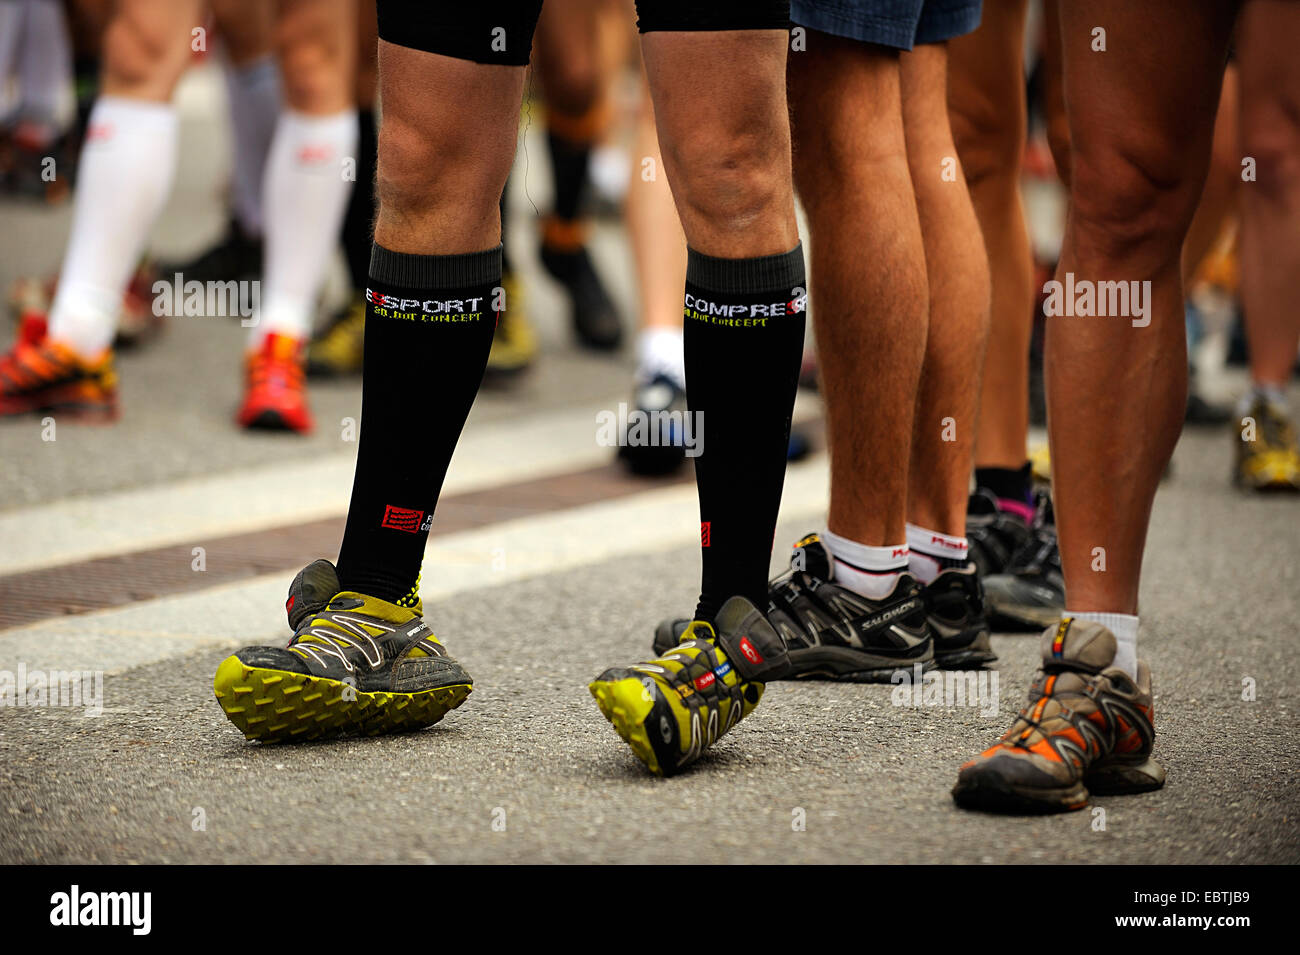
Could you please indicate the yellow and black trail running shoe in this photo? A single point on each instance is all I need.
(1268, 453)
(356, 664)
(672, 709)
(340, 348)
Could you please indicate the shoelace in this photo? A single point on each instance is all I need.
(27, 367)
(1275, 431)
(335, 636)
(275, 373)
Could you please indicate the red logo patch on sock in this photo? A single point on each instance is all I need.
(402, 519)
(747, 648)
(288, 604)
(705, 532)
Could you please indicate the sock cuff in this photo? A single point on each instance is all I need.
(1123, 625)
(934, 544)
(344, 121)
(463, 270)
(764, 273)
(108, 108)
(865, 557)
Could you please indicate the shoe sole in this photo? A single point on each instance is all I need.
(989, 793)
(626, 704)
(1022, 616)
(971, 652)
(963, 659)
(273, 706)
(80, 412)
(849, 666)
(270, 420)
(1123, 776)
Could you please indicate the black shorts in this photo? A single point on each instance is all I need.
(501, 31)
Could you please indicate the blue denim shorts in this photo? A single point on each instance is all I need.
(901, 24)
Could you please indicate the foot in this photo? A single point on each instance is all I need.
(954, 608)
(514, 343)
(275, 395)
(595, 318)
(339, 349)
(235, 258)
(994, 534)
(1030, 593)
(658, 446)
(1271, 460)
(355, 664)
(835, 634)
(1088, 728)
(671, 709)
(39, 375)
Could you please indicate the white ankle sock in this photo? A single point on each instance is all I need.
(253, 91)
(304, 198)
(869, 571)
(124, 176)
(1125, 628)
(659, 352)
(932, 552)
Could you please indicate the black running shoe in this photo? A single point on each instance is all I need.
(655, 441)
(954, 607)
(832, 633)
(355, 664)
(234, 258)
(595, 318)
(1030, 594)
(994, 535)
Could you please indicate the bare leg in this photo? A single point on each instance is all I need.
(1116, 392)
(852, 173)
(1270, 206)
(957, 266)
(987, 103)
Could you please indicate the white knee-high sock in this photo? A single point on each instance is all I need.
(124, 176)
(1125, 628)
(253, 91)
(304, 197)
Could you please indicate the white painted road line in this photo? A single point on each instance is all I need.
(251, 612)
(78, 529)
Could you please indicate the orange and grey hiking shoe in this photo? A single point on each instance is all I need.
(1268, 454)
(38, 374)
(275, 396)
(1087, 728)
(673, 708)
(355, 664)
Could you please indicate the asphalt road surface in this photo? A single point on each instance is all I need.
(536, 595)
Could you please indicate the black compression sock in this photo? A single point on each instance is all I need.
(744, 329)
(358, 223)
(569, 169)
(429, 324)
(1008, 484)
